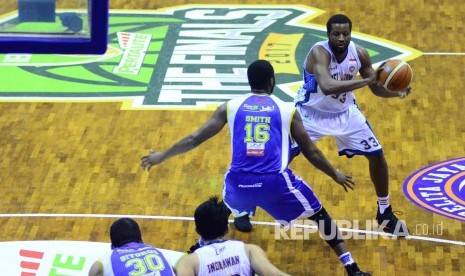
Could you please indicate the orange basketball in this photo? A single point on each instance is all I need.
(396, 75)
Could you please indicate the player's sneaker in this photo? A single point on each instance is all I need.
(243, 223)
(353, 270)
(391, 223)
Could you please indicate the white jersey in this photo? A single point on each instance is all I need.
(346, 70)
(223, 258)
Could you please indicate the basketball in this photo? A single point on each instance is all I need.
(396, 75)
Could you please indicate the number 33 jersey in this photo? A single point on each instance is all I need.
(310, 93)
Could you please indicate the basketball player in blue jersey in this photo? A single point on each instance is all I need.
(218, 256)
(327, 106)
(129, 255)
(262, 129)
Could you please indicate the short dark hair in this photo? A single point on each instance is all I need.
(338, 19)
(123, 231)
(211, 219)
(259, 74)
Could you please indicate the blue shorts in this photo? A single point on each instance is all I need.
(284, 196)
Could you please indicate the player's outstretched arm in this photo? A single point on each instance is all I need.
(205, 132)
(318, 61)
(315, 156)
(260, 263)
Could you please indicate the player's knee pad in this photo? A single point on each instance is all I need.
(327, 227)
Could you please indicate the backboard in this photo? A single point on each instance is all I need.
(54, 26)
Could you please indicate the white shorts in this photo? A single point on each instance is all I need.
(350, 128)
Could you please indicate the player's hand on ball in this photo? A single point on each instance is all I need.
(404, 93)
(374, 76)
(344, 180)
(153, 158)
(395, 75)
(379, 70)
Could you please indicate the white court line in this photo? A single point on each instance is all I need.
(366, 232)
(443, 54)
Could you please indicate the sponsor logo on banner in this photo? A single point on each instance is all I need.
(135, 47)
(182, 57)
(439, 188)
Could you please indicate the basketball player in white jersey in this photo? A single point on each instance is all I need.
(217, 255)
(328, 108)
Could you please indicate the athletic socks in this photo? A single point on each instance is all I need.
(383, 203)
(346, 259)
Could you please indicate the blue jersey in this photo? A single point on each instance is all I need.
(136, 259)
(260, 133)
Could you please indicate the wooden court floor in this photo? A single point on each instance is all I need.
(83, 158)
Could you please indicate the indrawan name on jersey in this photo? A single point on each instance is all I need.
(219, 265)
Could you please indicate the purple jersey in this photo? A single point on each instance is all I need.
(260, 128)
(136, 259)
(260, 133)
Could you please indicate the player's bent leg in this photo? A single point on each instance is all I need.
(361, 140)
(241, 219)
(241, 209)
(243, 223)
(379, 173)
(241, 216)
(331, 234)
(329, 230)
(291, 198)
(384, 216)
